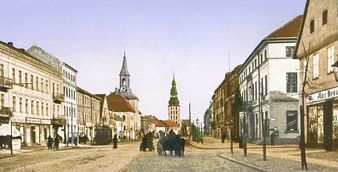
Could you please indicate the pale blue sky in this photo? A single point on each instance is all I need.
(192, 37)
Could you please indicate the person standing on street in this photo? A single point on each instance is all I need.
(115, 142)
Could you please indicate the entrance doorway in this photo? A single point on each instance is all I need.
(33, 135)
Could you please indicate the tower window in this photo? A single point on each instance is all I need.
(324, 17)
(312, 26)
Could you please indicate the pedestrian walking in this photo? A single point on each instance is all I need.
(115, 142)
(50, 142)
(56, 142)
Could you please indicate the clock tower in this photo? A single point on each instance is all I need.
(174, 104)
(125, 89)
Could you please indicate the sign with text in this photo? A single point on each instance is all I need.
(323, 95)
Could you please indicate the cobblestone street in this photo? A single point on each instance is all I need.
(194, 160)
(87, 158)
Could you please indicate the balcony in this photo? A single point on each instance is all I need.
(5, 114)
(58, 121)
(58, 98)
(5, 83)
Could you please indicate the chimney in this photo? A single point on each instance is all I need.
(10, 44)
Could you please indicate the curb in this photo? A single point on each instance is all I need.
(242, 163)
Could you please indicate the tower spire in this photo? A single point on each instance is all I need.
(124, 70)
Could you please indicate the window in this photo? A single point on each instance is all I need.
(324, 17)
(312, 26)
(26, 80)
(315, 69)
(2, 71)
(13, 75)
(42, 108)
(26, 106)
(47, 109)
(265, 54)
(262, 86)
(37, 83)
(32, 107)
(41, 85)
(255, 90)
(266, 84)
(291, 82)
(290, 50)
(37, 108)
(291, 121)
(330, 59)
(2, 99)
(20, 77)
(14, 103)
(47, 87)
(32, 82)
(20, 104)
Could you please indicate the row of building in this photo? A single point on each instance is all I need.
(39, 96)
(263, 96)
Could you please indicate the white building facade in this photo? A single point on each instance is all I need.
(28, 91)
(71, 130)
(269, 87)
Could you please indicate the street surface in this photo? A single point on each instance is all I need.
(194, 160)
(90, 158)
(210, 156)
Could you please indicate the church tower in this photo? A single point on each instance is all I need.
(174, 104)
(125, 89)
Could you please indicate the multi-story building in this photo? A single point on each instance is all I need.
(31, 89)
(208, 120)
(71, 130)
(123, 109)
(88, 107)
(317, 48)
(226, 118)
(269, 86)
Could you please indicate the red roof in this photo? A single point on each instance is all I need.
(117, 103)
(290, 29)
(154, 120)
(170, 123)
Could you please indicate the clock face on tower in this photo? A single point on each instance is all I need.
(123, 88)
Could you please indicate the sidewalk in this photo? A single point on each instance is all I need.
(316, 157)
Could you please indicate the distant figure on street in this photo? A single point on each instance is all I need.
(115, 142)
(50, 143)
(56, 142)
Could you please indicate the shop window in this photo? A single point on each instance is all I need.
(291, 121)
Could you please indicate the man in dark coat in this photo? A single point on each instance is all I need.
(115, 142)
(50, 142)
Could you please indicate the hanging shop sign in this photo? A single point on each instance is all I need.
(18, 119)
(33, 120)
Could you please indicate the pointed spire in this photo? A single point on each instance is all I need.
(173, 94)
(124, 70)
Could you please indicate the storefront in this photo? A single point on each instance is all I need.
(322, 119)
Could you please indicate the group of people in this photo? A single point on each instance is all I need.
(56, 142)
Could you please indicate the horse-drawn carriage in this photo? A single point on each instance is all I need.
(147, 142)
(172, 143)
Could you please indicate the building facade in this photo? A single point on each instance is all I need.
(71, 130)
(317, 49)
(88, 107)
(29, 90)
(208, 120)
(226, 118)
(268, 84)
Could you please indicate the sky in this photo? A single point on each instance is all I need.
(199, 40)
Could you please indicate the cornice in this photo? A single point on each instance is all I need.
(29, 60)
